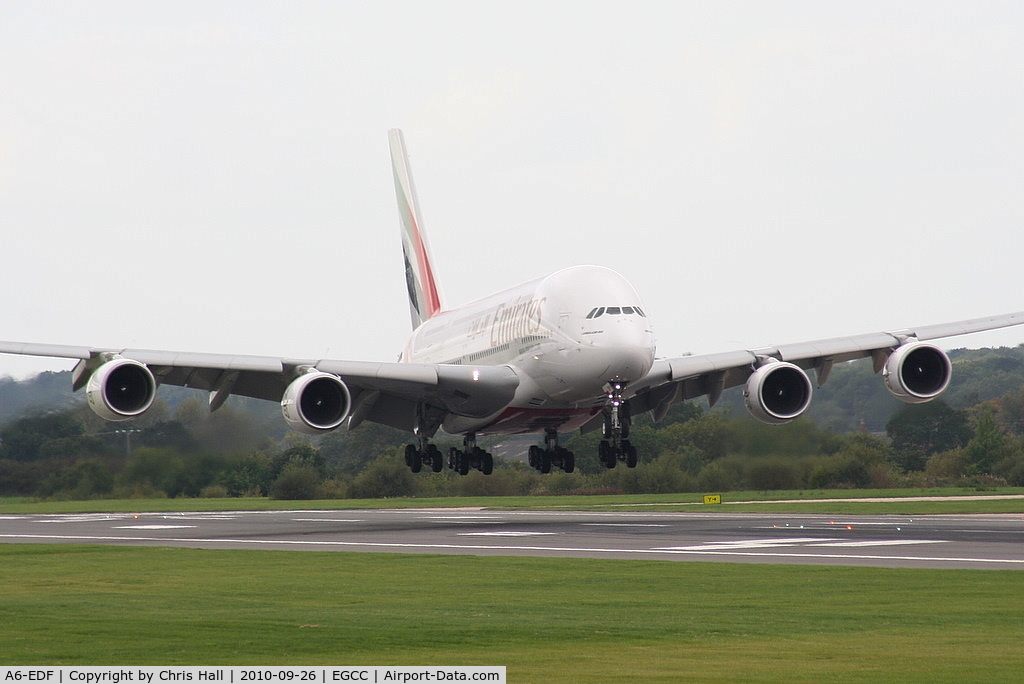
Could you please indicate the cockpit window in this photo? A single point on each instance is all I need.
(599, 311)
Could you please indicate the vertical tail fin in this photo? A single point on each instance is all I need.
(424, 299)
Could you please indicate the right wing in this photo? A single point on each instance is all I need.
(387, 393)
(687, 377)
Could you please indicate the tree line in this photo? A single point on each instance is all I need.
(182, 450)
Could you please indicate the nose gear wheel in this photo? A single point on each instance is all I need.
(615, 446)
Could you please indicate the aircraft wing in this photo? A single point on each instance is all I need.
(687, 377)
(385, 393)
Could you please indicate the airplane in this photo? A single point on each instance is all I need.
(574, 350)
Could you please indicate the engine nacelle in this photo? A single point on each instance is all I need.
(121, 389)
(777, 392)
(316, 402)
(917, 372)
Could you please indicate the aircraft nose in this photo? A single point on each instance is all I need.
(628, 363)
(628, 350)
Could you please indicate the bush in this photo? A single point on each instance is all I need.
(296, 481)
(948, 465)
(772, 473)
(387, 477)
(214, 492)
(723, 475)
(840, 472)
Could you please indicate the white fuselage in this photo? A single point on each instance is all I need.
(567, 336)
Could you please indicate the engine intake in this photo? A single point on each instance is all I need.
(316, 402)
(121, 389)
(917, 372)
(777, 392)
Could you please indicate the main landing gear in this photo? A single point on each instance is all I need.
(459, 460)
(551, 455)
(616, 446)
(425, 455)
(470, 456)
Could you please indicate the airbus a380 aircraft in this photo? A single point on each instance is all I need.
(573, 350)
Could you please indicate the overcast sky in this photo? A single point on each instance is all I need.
(214, 176)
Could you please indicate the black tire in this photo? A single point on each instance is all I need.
(436, 461)
(413, 458)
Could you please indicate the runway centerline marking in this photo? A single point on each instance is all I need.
(152, 527)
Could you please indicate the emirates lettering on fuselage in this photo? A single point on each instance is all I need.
(515, 321)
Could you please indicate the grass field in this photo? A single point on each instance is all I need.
(547, 620)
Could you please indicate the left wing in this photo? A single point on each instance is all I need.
(316, 395)
(777, 388)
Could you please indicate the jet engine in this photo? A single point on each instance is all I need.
(777, 392)
(121, 389)
(316, 402)
(917, 372)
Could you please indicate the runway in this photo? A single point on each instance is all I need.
(980, 541)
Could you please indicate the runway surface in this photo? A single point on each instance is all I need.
(980, 541)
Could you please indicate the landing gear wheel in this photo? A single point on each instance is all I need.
(534, 456)
(412, 458)
(616, 445)
(545, 462)
(434, 456)
(629, 451)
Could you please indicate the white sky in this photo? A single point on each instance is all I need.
(214, 176)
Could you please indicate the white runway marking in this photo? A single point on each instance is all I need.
(762, 553)
(152, 527)
(747, 544)
(342, 520)
(797, 541)
(509, 533)
(882, 542)
(490, 520)
(624, 525)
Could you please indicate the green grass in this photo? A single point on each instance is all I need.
(778, 501)
(545, 619)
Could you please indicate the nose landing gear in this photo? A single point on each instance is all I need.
(616, 446)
